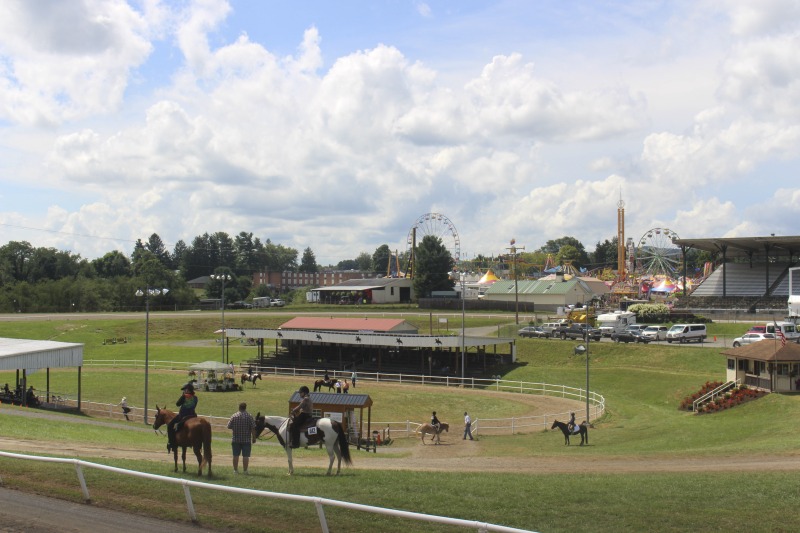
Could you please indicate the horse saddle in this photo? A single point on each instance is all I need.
(312, 433)
(575, 429)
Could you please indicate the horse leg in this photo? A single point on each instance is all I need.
(175, 457)
(183, 457)
(197, 453)
(330, 463)
(289, 457)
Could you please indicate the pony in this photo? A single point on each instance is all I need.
(194, 432)
(327, 431)
(582, 430)
(322, 383)
(251, 378)
(427, 428)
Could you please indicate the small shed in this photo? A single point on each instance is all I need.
(30, 355)
(342, 408)
(768, 365)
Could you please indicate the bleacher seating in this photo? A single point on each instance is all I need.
(744, 280)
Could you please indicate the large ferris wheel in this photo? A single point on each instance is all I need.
(437, 225)
(656, 254)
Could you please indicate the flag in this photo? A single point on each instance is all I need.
(779, 334)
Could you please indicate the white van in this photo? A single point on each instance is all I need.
(687, 333)
(789, 330)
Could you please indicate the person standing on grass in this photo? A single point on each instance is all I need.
(242, 425)
(467, 426)
(353, 378)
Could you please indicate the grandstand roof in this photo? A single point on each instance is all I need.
(745, 246)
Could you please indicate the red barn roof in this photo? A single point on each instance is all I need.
(378, 325)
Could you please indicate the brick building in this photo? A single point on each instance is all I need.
(288, 280)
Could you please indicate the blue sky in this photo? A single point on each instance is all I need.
(336, 125)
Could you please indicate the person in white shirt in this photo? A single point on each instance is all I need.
(467, 426)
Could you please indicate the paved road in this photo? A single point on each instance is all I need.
(21, 512)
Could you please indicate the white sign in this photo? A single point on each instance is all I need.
(334, 416)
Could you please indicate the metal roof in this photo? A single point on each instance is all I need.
(745, 246)
(29, 354)
(380, 325)
(331, 398)
(538, 286)
(405, 340)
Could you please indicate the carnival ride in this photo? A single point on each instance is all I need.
(436, 225)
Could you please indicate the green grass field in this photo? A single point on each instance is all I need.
(643, 386)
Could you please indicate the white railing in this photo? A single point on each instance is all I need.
(710, 395)
(496, 425)
(318, 502)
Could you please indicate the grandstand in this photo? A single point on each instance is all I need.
(752, 274)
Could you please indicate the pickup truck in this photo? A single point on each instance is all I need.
(577, 331)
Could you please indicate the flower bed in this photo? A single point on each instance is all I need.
(726, 400)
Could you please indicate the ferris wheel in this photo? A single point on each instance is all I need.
(656, 254)
(439, 226)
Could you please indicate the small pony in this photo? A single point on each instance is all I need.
(429, 429)
(251, 378)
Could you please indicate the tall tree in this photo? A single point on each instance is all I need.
(279, 258)
(554, 246)
(309, 262)
(364, 262)
(247, 250)
(113, 264)
(156, 247)
(433, 264)
(605, 254)
(380, 259)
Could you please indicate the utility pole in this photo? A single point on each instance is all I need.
(513, 249)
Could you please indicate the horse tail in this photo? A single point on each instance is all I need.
(344, 446)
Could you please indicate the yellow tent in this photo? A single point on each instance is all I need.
(488, 278)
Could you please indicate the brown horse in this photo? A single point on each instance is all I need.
(194, 433)
(429, 429)
(582, 431)
(322, 383)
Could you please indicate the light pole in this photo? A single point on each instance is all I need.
(223, 278)
(147, 293)
(463, 278)
(513, 248)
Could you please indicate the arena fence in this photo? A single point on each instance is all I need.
(319, 503)
(393, 429)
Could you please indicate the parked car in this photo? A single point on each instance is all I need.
(629, 335)
(535, 332)
(276, 302)
(655, 333)
(757, 329)
(750, 338)
(577, 331)
(637, 327)
(240, 305)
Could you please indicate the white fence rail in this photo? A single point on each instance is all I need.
(319, 503)
(597, 403)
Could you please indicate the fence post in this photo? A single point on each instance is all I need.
(82, 481)
(189, 504)
(321, 514)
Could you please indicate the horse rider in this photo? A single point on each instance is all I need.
(188, 403)
(326, 378)
(300, 415)
(571, 425)
(435, 422)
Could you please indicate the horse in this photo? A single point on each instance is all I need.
(194, 432)
(322, 383)
(251, 378)
(582, 431)
(428, 428)
(327, 431)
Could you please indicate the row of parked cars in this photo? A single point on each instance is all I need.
(639, 333)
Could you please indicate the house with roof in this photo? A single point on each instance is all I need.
(768, 365)
(366, 291)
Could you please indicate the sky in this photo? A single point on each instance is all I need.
(340, 125)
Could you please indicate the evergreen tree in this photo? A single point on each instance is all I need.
(433, 264)
(309, 262)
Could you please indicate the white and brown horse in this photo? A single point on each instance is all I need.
(324, 431)
(428, 429)
(252, 377)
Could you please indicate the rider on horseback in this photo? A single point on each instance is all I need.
(435, 422)
(300, 415)
(187, 402)
(571, 425)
